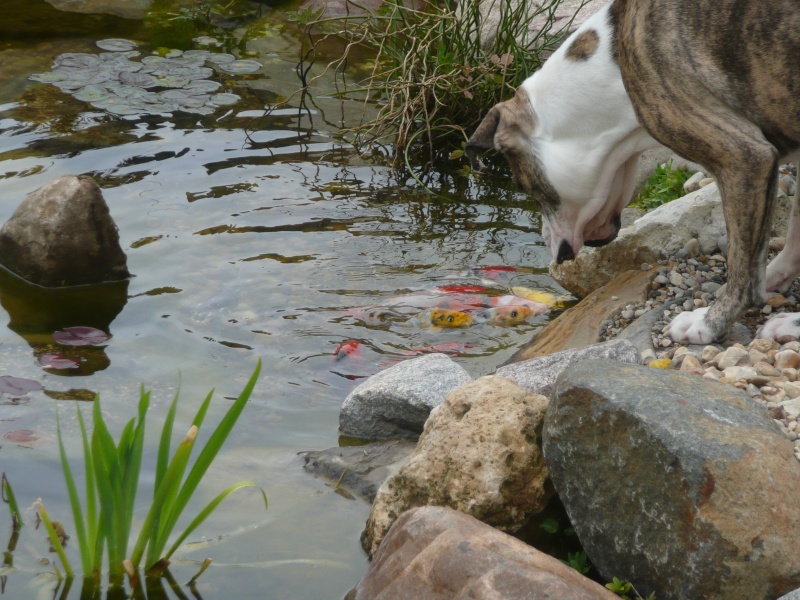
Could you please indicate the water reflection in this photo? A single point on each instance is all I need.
(35, 313)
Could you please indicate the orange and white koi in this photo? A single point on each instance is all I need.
(507, 315)
(536, 308)
(442, 317)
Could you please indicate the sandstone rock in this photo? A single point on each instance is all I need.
(359, 469)
(787, 359)
(693, 183)
(539, 375)
(435, 553)
(678, 484)
(397, 401)
(580, 325)
(659, 233)
(480, 454)
(62, 234)
(629, 215)
(732, 357)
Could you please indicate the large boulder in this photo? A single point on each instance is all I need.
(397, 401)
(127, 9)
(681, 485)
(539, 375)
(62, 235)
(439, 554)
(480, 454)
(658, 234)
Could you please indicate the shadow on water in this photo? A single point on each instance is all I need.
(36, 312)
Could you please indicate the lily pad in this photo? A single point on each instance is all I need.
(241, 66)
(80, 336)
(205, 40)
(153, 59)
(116, 45)
(200, 110)
(220, 58)
(49, 77)
(91, 93)
(17, 386)
(196, 54)
(21, 436)
(140, 80)
(171, 81)
(112, 56)
(202, 86)
(174, 53)
(58, 361)
(79, 60)
(172, 95)
(225, 99)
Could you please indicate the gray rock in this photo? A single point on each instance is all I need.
(693, 183)
(793, 595)
(127, 9)
(480, 453)
(397, 401)
(539, 374)
(629, 216)
(63, 235)
(359, 469)
(681, 485)
(436, 553)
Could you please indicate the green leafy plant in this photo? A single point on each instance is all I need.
(550, 525)
(578, 561)
(664, 185)
(437, 67)
(7, 495)
(103, 524)
(619, 587)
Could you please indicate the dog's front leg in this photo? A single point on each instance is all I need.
(747, 181)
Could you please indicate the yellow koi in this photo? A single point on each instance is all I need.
(537, 296)
(507, 315)
(441, 317)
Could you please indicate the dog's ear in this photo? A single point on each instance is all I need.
(501, 128)
(483, 138)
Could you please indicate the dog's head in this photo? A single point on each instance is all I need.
(580, 200)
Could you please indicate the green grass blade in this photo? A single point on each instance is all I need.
(210, 508)
(209, 452)
(8, 496)
(171, 480)
(132, 467)
(56, 543)
(75, 503)
(95, 555)
(166, 439)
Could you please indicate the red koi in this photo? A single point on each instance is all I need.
(348, 349)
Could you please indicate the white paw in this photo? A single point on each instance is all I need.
(782, 272)
(690, 328)
(784, 327)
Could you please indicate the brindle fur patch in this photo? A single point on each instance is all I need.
(583, 46)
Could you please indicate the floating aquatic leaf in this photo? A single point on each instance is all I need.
(50, 77)
(17, 386)
(152, 60)
(112, 56)
(205, 40)
(127, 110)
(80, 336)
(141, 80)
(58, 361)
(171, 95)
(91, 93)
(116, 45)
(202, 86)
(70, 84)
(129, 66)
(171, 81)
(200, 110)
(174, 53)
(21, 436)
(79, 60)
(196, 54)
(191, 101)
(129, 91)
(220, 58)
(241, 66)
(224, 99)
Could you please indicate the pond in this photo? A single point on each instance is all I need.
(249, 236)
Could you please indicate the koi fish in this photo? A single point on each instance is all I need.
(536, 296)
(348, 349)
(442, 317)
(507, 315)
(464, 289)
(537, 308)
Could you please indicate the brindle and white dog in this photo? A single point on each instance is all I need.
(714, 80)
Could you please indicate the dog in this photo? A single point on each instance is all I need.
(711, 79)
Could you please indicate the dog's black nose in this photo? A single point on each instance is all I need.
(564, 252)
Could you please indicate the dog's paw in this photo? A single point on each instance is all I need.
(783, 328)
(782, 271)
(691, 328)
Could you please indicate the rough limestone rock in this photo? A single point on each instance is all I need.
(539, 375)
(397, 401)
(658, 234)
(127, 9)
(480, 454)
(359, 469)
(681, 485)
(794, 595)
(580, 325)
(63, 234)
(436, 553)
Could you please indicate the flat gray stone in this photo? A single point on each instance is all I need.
(397, 401)
(539, 375)
(359, 469)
